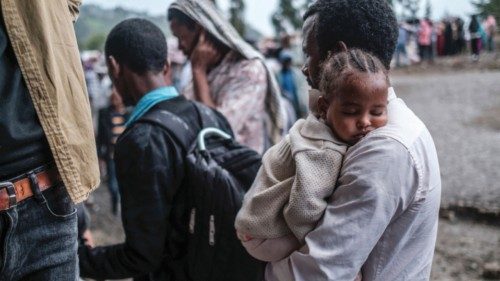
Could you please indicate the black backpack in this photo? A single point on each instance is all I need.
(218, 173)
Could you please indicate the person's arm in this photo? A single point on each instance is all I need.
(146, 165)
(373, 188)
(204, 56)
(315, 178)
(201, 87)
(74, 8)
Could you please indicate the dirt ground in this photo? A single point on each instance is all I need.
(460, 103)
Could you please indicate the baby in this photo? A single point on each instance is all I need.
(289, 194)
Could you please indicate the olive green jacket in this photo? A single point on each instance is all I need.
(42, 35)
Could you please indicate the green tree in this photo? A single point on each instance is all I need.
(237, 13)
(288, 14)
(96, 42)
(485, 7)
(95, 20)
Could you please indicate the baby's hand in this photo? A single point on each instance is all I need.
(243, 237)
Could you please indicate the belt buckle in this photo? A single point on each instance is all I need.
(11, 192)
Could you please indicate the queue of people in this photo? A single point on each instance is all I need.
(350, 193)
(422, 40)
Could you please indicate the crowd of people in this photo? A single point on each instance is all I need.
(422, 40)
(350, 192)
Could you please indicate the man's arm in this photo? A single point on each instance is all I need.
(373, 189)
(315, 178)
(145, 171)
(74, 8)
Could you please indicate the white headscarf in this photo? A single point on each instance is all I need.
(206, 15)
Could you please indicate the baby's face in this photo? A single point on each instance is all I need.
(359, 108)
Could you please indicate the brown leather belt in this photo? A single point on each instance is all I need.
(13, 192)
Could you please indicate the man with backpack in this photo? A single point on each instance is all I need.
(150, 158)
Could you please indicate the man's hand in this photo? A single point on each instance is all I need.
(205, 55)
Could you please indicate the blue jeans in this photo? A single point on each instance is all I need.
(38, 238)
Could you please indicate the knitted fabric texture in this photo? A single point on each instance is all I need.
(290, 190)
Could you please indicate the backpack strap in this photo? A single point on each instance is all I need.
(177, 127)
(206, 116)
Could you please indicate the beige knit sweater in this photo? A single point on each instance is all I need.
(290, 190)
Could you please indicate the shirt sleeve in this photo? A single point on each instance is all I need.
(315, 178)
(146, 175)
(375, 185)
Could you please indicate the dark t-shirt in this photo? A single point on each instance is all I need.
(23, 145)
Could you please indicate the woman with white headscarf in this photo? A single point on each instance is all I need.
(228, 74)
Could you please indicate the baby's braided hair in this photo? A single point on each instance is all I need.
(338, 64)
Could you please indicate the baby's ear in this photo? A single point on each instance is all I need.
(323, 105)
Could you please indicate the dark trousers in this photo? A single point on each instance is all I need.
(425, 52)
(475, 46)
(38, 238)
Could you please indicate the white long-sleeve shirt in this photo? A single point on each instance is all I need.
(382, 218)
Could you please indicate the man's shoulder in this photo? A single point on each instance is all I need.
(404, 142)
(403, 124)
(382, 146)
(141, 130)
(179, 119)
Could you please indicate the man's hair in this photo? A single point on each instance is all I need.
(369, 25)
(181, 18)
(138, 44)
(337, 65)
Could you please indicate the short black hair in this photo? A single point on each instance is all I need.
(369, 25)
(139, 44)
(181, 18)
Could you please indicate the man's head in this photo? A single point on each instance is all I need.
(335, 25)
(136, 50)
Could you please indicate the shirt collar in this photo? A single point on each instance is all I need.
(391, 94)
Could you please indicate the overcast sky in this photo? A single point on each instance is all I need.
(258, 12)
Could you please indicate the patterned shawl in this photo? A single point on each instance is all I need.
(206, 14)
